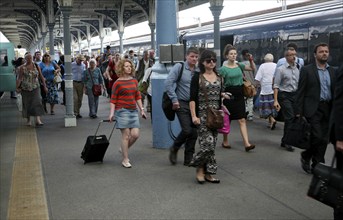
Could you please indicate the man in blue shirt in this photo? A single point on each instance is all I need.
(285, 90)
(314, 102)
(180, 98)
(77, 69)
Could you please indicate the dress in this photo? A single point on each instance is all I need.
(48, 73)
(233, 82)
(207, 138)
(32, 105)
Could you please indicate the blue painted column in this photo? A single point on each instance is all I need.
(166, 33)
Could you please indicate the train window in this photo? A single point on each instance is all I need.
(210, 45)
(3, 57)
(296, 37)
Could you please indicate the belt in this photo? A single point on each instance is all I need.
(325, 101)
(77, 81)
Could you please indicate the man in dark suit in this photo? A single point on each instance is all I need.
(337, 127)
(314, 101)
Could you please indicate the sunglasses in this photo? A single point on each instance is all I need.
(214, 60)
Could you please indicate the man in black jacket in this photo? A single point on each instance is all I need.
(314, 101)
(337, 126)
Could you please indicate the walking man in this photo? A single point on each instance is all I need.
(180, 98)
(315, 94)
(77, 68)
(285, 90)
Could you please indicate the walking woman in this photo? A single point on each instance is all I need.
(205, 91)
(232, 73)
(264, 77)
(92, 76)
(49, 70)
(28, 85)
(124, 100)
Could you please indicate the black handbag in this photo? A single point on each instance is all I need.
(327, 185)
(298, 133)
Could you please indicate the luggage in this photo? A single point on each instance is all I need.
(96, 146)
(298, 133)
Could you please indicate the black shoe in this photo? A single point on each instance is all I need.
(252, 146)
(13, 97)
(186, 163)
(305, 164)
(78, 116)
(289, 148)
(173, 155)
(200, 181)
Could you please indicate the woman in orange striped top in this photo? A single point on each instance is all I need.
(124, 100)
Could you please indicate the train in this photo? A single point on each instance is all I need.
(271, 32)
(265, 32)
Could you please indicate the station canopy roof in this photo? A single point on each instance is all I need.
(24, 22)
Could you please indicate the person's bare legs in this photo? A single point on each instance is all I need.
(128, 138)
(244, 131)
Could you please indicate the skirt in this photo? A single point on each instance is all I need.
(266, 106)
(127, 118)
(235, 105)
(32, 103)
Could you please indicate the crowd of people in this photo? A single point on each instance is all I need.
(288, 88)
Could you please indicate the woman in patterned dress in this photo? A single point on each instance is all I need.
(205, 160)
(49, 70)
(28, 85)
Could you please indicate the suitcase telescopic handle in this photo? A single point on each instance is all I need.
(96, 132)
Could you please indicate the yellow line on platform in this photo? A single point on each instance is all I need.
(27, 197)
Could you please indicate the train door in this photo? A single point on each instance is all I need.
(7, 77)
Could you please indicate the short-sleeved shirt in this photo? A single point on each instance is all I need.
(232, 76)
(125, 94)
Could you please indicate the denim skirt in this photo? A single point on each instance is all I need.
(127, 118)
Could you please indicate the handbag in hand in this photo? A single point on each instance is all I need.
(226, 128)
(327, 186)
(96, 88)
(215, 117)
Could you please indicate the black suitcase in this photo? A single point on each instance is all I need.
(96, 146)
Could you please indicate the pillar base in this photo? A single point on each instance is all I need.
(69, 121)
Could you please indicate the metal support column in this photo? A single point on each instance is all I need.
(121, 47)
(216, 9)
(69, 119)
(152, 33)
(166, 33)
(51, 40)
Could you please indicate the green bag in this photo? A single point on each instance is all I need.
(143, 87)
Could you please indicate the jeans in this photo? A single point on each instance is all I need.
(188, 134)
(93, 103)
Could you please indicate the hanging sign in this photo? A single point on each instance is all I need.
(107, 31)
(59, 32)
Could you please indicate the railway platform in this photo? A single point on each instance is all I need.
(43, 176)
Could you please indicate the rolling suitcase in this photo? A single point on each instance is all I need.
(96, 146)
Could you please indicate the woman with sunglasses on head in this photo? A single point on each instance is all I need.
(206, 91)
(124, 101)
(49, 70)
(232, 73)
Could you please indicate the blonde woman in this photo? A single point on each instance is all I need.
(49, 70)
(124, 101)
